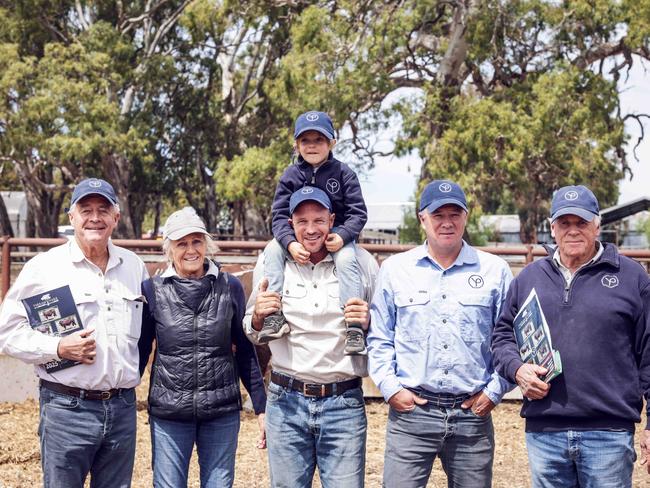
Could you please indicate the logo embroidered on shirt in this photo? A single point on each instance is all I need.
(333, 185)
(475, 281)
(609, 281)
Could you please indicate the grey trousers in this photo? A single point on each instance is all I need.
(463, 441)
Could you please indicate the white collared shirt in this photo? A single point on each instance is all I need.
(313, 349)
(109, 302)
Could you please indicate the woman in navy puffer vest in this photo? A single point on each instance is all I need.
(195, 311)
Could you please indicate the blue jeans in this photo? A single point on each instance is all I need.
(305, 432)
(586, 459)
(172, 442)
(80, 436)
(345, 261)
(463, 440)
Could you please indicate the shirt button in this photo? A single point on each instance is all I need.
(109, 309)
(444, 296)
(315, 285)
(445, 346)
(444, 321)
(106, 290)
(315, 304)
(446, 371)
(411, 300)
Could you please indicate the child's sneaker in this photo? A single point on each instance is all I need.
(355, 343)
(275, 326)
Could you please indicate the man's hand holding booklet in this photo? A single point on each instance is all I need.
(534, 338)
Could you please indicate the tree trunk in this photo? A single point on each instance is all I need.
(528, 226)
(118, 173)
(5, 223)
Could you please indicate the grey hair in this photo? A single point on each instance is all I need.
(211, 251)
(116, 208)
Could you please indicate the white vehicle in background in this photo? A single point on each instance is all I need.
(66, 231)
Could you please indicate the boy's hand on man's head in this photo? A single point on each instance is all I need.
(334, 242)
(298, 252)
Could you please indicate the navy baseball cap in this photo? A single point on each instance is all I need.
(309, 193)
(93, 186)
(318, 121)
(575, 200)
(442, 192)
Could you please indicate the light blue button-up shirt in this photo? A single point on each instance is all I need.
(432, 327)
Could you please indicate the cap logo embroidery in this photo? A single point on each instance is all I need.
(445, 187)
(609, 281)
(312, 117)
(307, 191)
(94, 183)
(475, 281)
(571, 195)
(333, 185)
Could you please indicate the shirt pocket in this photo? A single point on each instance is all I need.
(475, 316)
(413, 315)
(132, 304)
(294, 289)
(87, 306)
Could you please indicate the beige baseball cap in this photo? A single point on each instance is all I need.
(183, 222)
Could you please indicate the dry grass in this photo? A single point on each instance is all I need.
(20, 458)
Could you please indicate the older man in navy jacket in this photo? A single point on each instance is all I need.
(580, 427)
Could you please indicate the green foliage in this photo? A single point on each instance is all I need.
(410, 232)
(195, 100)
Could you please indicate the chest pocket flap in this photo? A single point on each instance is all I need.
(293, 289)
(411, 298)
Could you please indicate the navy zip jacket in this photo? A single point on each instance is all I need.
(601, 327)
(341, 185)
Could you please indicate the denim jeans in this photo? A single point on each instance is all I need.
(80, 436)
(463, 440)
(306, 432)
(172, 442)
(345, 261)
(586, 459)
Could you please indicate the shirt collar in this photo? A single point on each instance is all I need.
(171, 271)
(467, 255)
(77, 255)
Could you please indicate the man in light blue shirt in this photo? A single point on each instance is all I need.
(433, 313)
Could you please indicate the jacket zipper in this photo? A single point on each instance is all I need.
(568, 287)
(196, 367)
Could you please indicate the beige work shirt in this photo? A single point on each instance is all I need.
(110, 302)
(313, 350)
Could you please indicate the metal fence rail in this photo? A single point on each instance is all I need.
(528, 252)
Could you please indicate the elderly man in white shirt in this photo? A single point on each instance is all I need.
(315, 413)
(87, 411)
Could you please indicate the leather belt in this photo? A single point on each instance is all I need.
(318, 390)
(81, 393)
(445, 400)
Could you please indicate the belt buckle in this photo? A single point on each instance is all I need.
(105, 395)
(313, 390)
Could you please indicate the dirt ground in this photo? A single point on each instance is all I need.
(20, 459)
